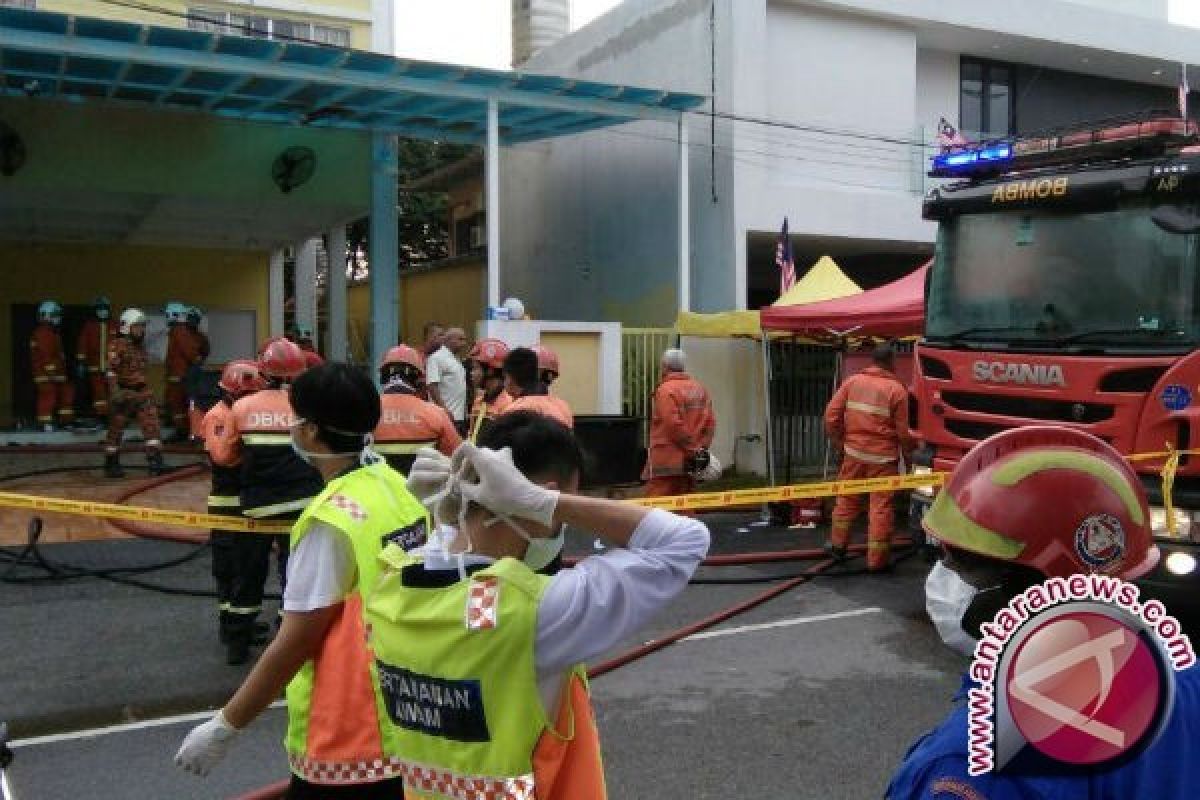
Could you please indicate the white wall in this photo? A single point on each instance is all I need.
(731, 370)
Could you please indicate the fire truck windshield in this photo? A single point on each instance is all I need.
(1101, 277)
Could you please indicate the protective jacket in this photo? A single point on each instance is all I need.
(868, 416)
(935, 768)
(465, 706)
(682, 423)
(275, 481)
(94, 339)
(545, 404)
(185, 347)
(335, 734)
(216, 429)
(407, 423)
(46, 354)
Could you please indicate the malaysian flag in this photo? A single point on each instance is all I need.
(785, 261)
(1183, 91)
(948, 136)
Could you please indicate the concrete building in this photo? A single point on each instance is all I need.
(821, 111)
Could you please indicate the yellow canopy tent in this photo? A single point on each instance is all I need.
(823, 281)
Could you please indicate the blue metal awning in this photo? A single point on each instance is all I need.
(44, 54)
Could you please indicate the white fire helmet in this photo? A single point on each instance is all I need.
(131, 317)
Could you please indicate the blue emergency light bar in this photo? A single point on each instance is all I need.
(963, 162)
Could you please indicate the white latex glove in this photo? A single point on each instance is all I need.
(499, 486)
(429, 473)
(206, 745)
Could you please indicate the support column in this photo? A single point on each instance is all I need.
(335, 346)
(275, 294)
(384, 247)
(306, 286)
(492, 178)
(685, 270)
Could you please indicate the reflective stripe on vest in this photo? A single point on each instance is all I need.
(223, 501)
(334, 734)
(258, 512)
(401, 448)
(868, 408)
(260, 439)
(465, 706)
(869, 458)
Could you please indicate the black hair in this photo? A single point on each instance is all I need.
(341, 400)
(543, 449)
(521, 363)
(884, 354)
(407, 373)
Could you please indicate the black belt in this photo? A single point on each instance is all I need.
(133, 387)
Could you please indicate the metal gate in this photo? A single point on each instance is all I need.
(641, 351)
(803, 378)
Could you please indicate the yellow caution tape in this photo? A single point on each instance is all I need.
(689, 502)
(183, 519)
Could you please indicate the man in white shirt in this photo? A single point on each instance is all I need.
(446, 378)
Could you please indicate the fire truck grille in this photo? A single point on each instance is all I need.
(1028, 407)
(975, 431)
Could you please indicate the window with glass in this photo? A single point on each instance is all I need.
(219, 21)
(1108, 277)
(986, 99)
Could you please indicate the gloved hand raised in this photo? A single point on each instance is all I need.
(429, 473)
(206, 745)
(489, 478)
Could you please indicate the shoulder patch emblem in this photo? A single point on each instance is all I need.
(482, 600)
(352, 509)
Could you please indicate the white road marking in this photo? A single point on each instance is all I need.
(781, 623)
(124, 727)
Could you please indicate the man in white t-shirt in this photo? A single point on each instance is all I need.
(446, 378)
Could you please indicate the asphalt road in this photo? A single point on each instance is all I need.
(815, 694)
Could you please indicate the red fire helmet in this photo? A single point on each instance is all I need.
(1055, 499)
(490, 353)
(547, 359)
(241, 377)
(282, 359)
(402, 354)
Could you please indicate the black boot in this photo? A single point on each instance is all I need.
(112, 466)
(155, 460)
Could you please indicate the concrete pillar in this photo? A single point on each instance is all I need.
(685, 268)
(384, 247)
(275, 294)
(492, 179)
(306, 286)
(335, 346)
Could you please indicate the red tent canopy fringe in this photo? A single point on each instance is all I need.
(895, 309)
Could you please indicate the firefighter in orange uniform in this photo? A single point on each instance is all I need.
(129, 395)
(867, 419)
(681, 429)
(523, 383)
(408, 423)
(91, 353)
(276, 484)
(186, 347)
(238, 379)
(489, 354)
(54, 392)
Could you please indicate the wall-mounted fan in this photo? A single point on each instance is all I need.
(293, 167)
(12, 151)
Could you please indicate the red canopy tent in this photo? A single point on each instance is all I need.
(895, 309)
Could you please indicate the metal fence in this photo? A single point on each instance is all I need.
(641, 350)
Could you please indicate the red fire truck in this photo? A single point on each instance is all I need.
(1066, 289)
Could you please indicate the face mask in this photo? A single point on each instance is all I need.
(947, 597)
(541, 550)
(366, 456)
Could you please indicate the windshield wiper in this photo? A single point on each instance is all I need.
(966, 332)
(1150, 334)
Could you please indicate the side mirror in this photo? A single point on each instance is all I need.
(1176, 219)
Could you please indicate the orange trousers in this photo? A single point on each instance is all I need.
(55, 395)
(670, 485)
(175, 399)
(881, 516)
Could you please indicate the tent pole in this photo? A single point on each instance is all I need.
(792, 403)
(766, 357)
(837, 381)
